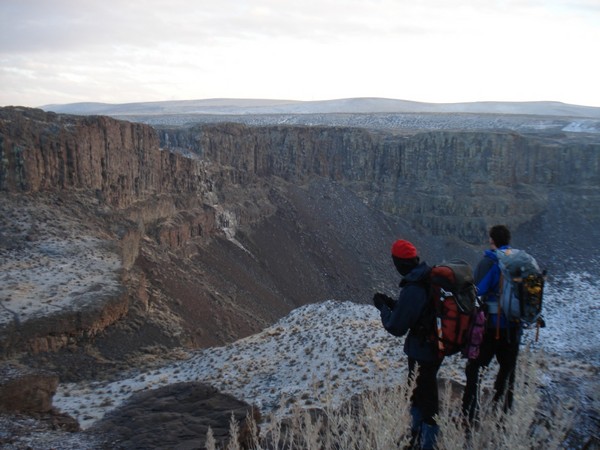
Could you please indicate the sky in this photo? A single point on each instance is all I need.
(440, 51)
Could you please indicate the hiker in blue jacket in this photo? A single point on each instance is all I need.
(408, 315)
(501, 338)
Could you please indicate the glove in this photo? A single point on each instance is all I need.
(380, 299)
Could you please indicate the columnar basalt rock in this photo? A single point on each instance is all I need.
(495, 174)
(120, 161)
(447, 183)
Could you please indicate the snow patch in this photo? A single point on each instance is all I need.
(571, 311)
(56, 274)
(582, 126)
(335, 347)
(227, 222)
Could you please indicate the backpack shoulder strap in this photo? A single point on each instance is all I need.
(499, 307)
(426, 325)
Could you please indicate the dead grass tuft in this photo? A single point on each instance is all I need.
(380, 420)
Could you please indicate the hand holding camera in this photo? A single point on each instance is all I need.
(379, 300)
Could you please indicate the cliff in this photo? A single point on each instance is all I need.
(496, 174)
(445, 183)
(119, 160)
(113, 248)
(121, 241)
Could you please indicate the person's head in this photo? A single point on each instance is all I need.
(405, 256)
(499, 236)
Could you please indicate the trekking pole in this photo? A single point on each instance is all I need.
(537, 330)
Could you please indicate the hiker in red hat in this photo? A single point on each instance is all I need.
(409, 314)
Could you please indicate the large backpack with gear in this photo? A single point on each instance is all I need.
(521, 287)
(459, 319)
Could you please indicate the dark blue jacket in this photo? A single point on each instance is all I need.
(487, 279)
(408, 313)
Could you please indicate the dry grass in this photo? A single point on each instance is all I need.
(535, 420)
(380, 420)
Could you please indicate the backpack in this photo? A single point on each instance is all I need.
(521, 286)
(459, 318)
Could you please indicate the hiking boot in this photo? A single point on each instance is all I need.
(428, 436)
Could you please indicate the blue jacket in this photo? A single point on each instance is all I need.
(408, 312)
(487, 279)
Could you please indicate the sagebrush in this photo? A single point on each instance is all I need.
(380, 420)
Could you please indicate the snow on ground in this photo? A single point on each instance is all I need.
(65, 273)
(50, 261)
(582, 126)
(337, 347)
(338, 344)
(572, 314)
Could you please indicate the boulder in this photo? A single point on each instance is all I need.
(23, 390)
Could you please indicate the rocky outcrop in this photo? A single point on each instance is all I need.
(120, 161)
(65, 330)
(497, 175)
(178, 416)
(25, 391)
(109, 175)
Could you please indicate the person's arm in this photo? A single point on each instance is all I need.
(482, 269)
(488, 284)
(406, 312)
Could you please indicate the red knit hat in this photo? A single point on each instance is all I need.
(403, 249)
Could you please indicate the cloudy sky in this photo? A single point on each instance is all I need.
(65, 51)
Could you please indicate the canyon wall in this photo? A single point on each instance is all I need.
(66, 179)
(222, 229)
(496, 175)
(121, 161)
(445, 183)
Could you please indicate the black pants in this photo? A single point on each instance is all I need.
(425, 393)
(506, 350)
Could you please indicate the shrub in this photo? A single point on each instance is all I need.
(380, 420)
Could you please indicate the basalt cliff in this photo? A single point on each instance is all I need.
(121, 241)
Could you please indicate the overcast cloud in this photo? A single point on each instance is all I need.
(63, 51)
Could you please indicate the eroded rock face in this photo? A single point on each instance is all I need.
(446, 183)
(496, 175)
(80, 197)
(119, 161)
(25, 391)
